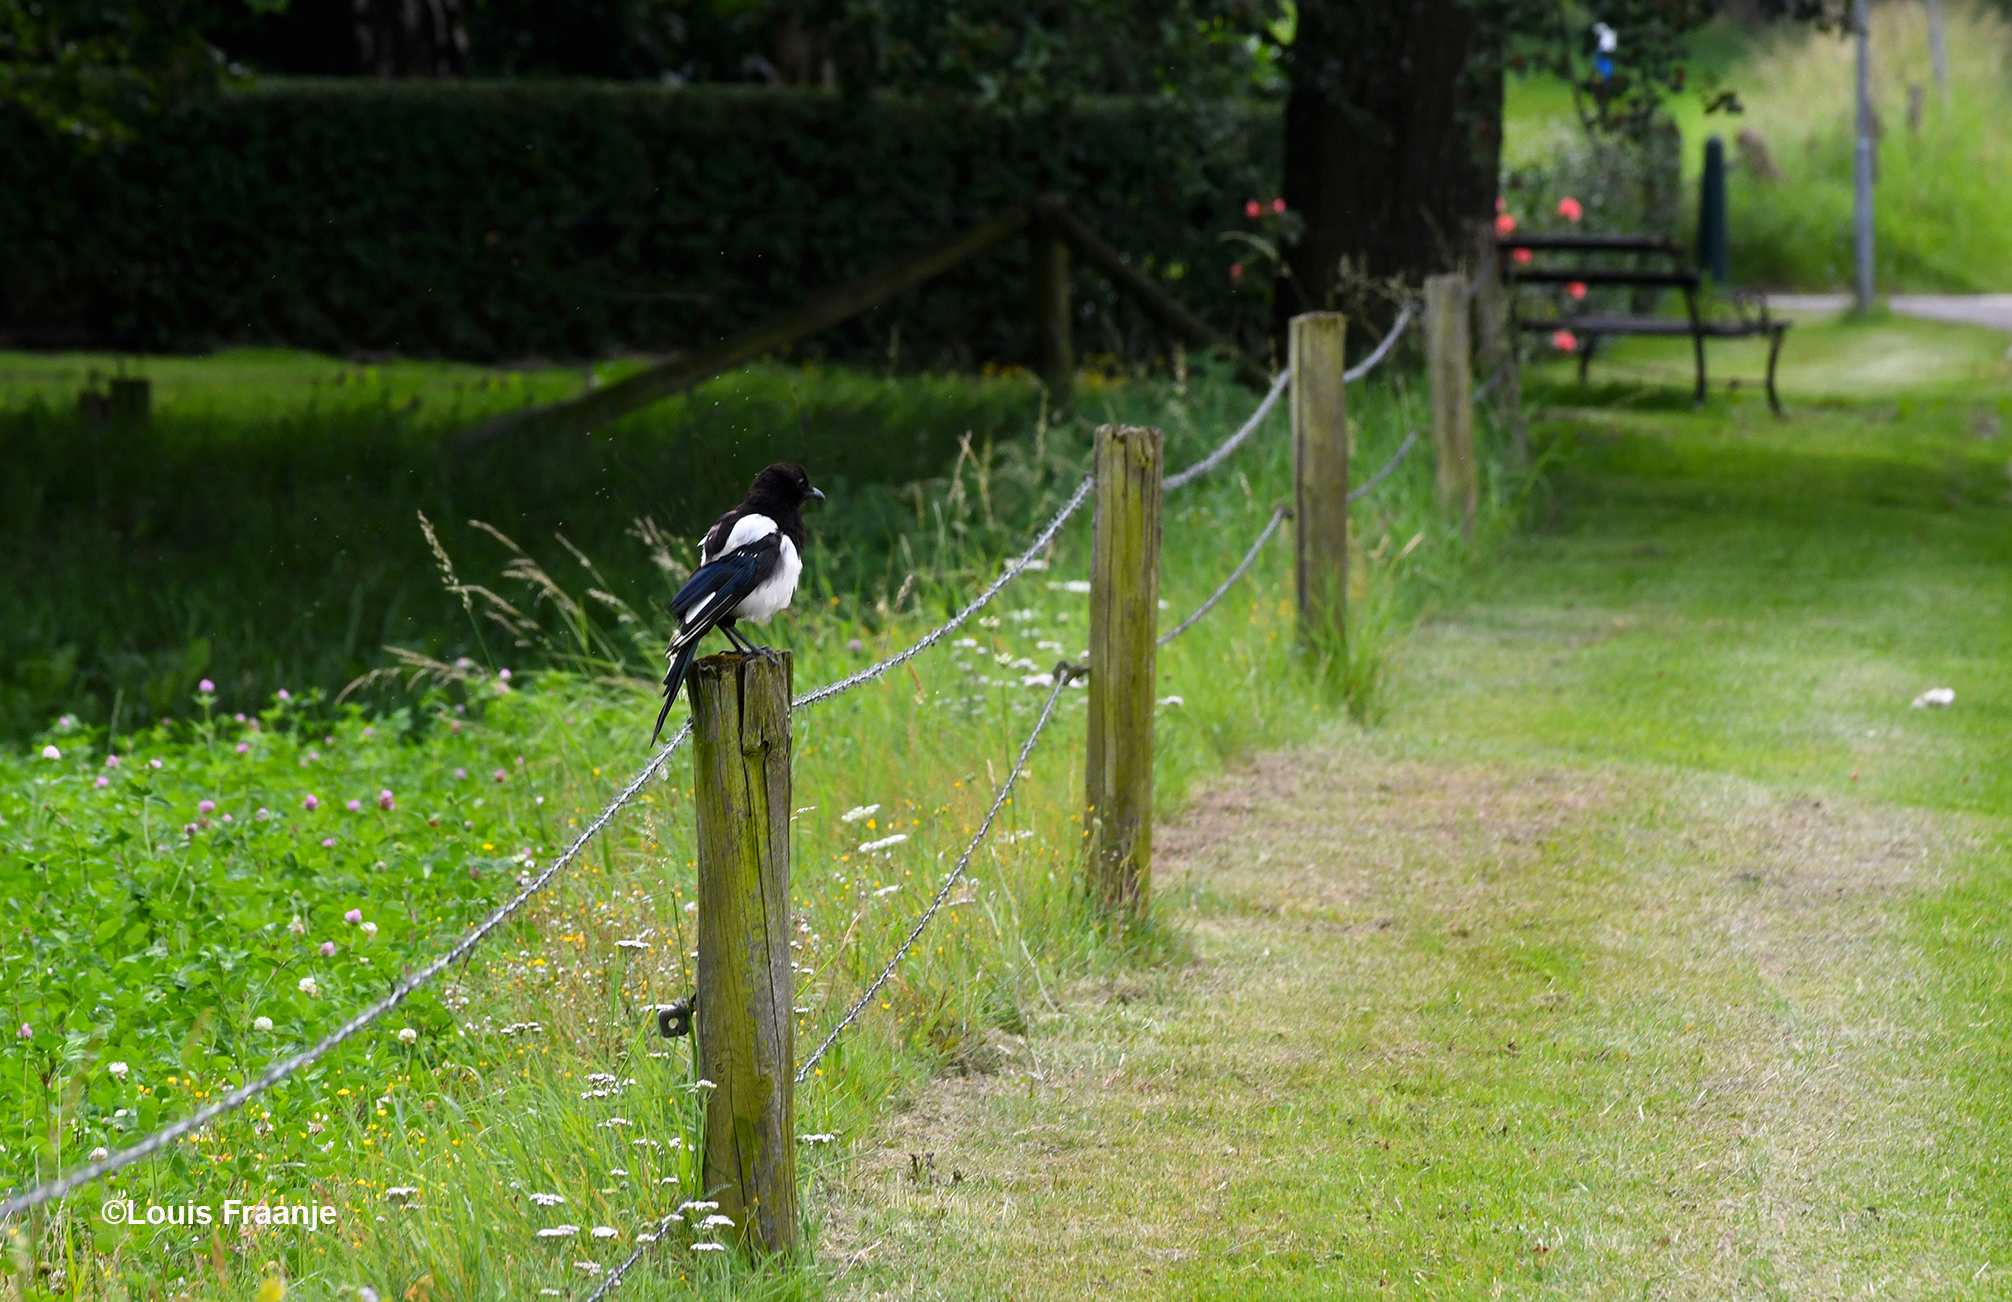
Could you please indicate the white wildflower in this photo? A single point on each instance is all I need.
(558, 1231)
(858, 812)
(406, 1035)
(548, 1199)
(885, 843)
(309, 987)
(261, 1023)
(118, 1069)
(603, 1231)
(709, 1247)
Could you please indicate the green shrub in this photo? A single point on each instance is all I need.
(1943, 191)
(505, 219)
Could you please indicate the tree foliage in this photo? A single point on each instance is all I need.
(83, 67)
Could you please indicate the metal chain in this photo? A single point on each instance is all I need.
(279, 1071)
(1277, 518)
(1064, 673)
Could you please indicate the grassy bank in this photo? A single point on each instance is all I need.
(531, 1072)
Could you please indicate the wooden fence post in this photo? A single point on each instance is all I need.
(1124, 630)
(1320, 471)
(745, 1026)
(1054, 350)
(1494, 346)
(1451, 368)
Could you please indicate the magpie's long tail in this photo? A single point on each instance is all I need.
(672, 681)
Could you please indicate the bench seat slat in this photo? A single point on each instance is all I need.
(1652, 325)
(1613, 243)
(1601, 276)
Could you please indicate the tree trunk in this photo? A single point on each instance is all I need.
(1393, 142)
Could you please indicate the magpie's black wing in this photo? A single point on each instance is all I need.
(719, 585)
(709, 596)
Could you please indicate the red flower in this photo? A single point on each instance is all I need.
(1569, 209)
(1565, 341)
(1504, 224)
(1253, 209)
(1577, 289)
(1278, 205)
(1522, 255)
(1236, 271)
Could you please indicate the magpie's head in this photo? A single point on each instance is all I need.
(784, 484)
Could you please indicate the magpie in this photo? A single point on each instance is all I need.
(748, 566)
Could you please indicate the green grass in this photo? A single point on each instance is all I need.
(1653, 946)
(185, 936)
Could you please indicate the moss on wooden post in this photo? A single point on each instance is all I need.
(746, 1029)
(1451, 367)
(1124, 626)
(1320, 472)
(1054, 349)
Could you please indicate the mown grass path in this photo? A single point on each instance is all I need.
(1653, 946)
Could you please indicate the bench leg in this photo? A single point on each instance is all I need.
(1697, 338)
(1775, 337)
(1586, 357)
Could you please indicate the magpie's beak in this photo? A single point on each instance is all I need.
(815, 495)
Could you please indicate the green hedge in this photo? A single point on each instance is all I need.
(510, 219)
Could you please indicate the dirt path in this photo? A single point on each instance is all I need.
(1465, 1029)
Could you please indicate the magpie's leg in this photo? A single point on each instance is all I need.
(749, 648)
(744, 645)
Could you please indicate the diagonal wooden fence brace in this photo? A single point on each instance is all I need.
(746, 1025)
(826, 310)
(1172, 314)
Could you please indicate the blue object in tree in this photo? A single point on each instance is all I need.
(1713, 257)
(1605, 41)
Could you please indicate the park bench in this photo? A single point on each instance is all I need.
(1579, 260)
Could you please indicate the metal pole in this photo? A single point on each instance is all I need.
(1861, 163)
